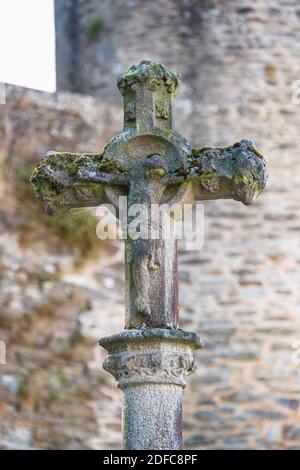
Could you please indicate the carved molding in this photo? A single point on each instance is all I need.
(130, 112)
(161, 110)
(152, 366)
(211, 184)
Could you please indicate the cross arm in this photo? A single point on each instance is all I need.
(236, 172)
(68, 180)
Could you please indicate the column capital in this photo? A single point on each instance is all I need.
(151, 355)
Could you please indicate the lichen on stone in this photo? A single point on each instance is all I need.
(113, 166)
(56, 180)
(156, 74)
(58, 170)
(240, 162)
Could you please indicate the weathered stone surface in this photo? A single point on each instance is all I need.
(151, 367)
(66, 180)
(142, 163)
(151, 356)
(150, 163)
(236, 172)
(57, 182)
(152, 417)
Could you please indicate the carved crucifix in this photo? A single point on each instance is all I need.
(150, 163)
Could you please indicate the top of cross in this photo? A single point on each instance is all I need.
(148, 89)
(78, 180)
(146, 70)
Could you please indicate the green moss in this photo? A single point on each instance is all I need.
(196, 150)
(210, 174)
(98, 190)
(68, 162)
(22, 390)
(155, 171)
(247, 179)
(204, 176)
(94, 27)
(237, 144)
(113, 166)
(254, 150)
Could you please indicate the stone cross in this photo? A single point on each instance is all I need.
(150, 163)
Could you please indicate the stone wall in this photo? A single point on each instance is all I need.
(230, 53)
(238, 61)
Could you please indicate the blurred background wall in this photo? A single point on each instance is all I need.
(61, 288)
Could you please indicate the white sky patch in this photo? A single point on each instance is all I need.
(27, 43)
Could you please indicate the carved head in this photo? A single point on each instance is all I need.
(155, 166)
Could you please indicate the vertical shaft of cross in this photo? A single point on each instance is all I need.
(151, 265)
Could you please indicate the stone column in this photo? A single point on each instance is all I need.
(152, 165)
(151, 366)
